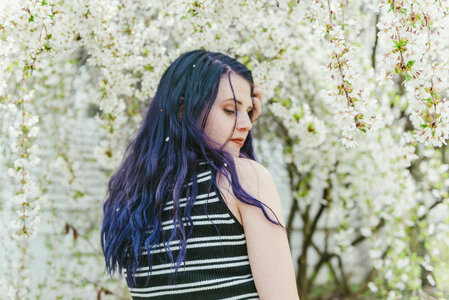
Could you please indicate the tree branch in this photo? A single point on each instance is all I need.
(344, 281)
(324, 258)
(361, 238)
(373, 54)
(435, 204)
(291, 217)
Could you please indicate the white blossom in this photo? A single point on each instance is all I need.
(356, 125)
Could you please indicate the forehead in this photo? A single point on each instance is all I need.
(240, 85)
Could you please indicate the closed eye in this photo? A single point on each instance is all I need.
(250, 112)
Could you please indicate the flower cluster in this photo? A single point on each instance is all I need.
(351, 99)
(418, 55)
(357, 128)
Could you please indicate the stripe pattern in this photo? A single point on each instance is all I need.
(216, 265)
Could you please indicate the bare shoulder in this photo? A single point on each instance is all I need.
(258, 182)
(252, 174)
(251, 167)
(267, 243)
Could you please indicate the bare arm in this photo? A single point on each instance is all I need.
(267, 243)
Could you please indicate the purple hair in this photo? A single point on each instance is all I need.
(154, 170)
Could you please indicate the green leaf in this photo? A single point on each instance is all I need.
(310, 127)
(31, 18)
(400, 45)
(296, 117)
(285, 102)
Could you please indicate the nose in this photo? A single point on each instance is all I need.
(244, 122)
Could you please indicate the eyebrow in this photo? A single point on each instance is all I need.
(238, 101)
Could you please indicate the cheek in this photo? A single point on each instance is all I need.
(219, 127)
(213, 129)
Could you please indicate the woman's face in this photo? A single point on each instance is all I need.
(221, 119)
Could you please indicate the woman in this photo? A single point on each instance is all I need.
(190, 214)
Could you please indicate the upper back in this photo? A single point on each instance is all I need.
(254, 179)
(216, 260)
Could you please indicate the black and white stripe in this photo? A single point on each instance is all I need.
(216, 265)
(205, 176)
(194, 265)
(190, 287)
(200, 199)
(203, 242)
(201, 220)
(249, 296)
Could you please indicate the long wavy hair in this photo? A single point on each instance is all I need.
(157, 164)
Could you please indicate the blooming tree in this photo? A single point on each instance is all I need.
(355, 91)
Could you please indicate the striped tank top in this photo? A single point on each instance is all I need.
(216, 264)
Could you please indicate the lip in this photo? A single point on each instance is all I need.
(239, 142)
